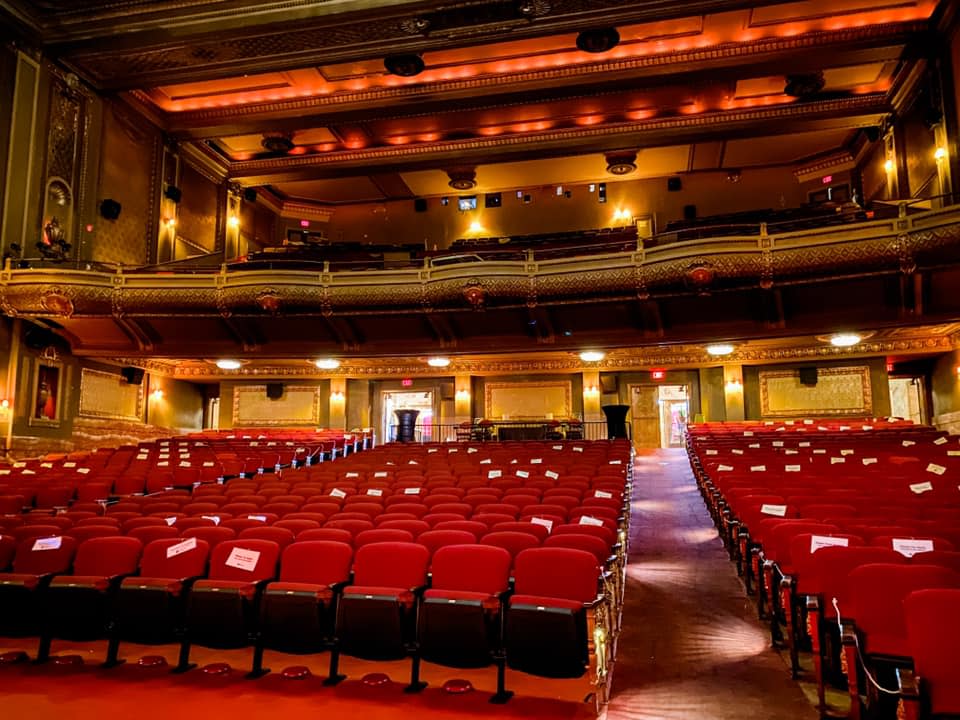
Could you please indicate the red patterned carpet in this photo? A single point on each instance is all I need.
(691, 648)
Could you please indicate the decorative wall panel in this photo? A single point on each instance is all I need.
(105, 395)
(299, 405)
(839, 391)
(533, 400)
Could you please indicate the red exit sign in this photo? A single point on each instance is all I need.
(407, 382)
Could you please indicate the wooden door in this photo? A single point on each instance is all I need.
(645, 415)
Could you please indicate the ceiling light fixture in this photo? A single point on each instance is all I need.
(438, 362)
(279, 143)
(462, 178)
(226, 364)
(845, 339)
(720, 349)
(327, 363)
(592, 355)
(598, 40)
(621, 163)
(407, 65)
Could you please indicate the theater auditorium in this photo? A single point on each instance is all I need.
(532, 359)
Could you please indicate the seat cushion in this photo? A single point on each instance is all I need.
(238, 587)
(168, 585)
(93, 582)
(321, 592)
(548, 603)
(401, 595)
(29, 582)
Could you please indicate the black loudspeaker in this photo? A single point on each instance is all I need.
(689, 212)
(674, 184)
(808, 376)
(872, 133)
(274, 391)
(609, 384)
(132, 375)
(110, 209)
(419, 204)
(492, 200)
(38, 338)
(249, 194)
(173, 193)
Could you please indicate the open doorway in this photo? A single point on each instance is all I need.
(422, 401)
(906, 399)
(674, 411)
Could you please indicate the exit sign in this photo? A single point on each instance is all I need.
(407, 382)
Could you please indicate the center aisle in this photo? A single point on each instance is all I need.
(691, 645)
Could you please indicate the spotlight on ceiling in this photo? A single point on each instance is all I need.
(720, 349)
(804, 85)
(592, 355)
(845, 339)
(438, 362)
(463, 178)
(327, 363)
(225, 364)
(407, 65)
(279, 143)
(621, 163)
(598, 40)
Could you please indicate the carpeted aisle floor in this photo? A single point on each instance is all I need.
(691, 647)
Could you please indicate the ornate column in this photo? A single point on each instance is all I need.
(462, 400)
(338, 403)
(591, 396)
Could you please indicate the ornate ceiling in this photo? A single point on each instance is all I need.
(293, 97)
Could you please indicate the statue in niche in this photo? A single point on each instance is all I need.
(52, 245)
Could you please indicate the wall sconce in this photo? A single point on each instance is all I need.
(591, 390)
(622, 215)
(463, 394)
(157, 394)
(336, 396)
(940, 154)
(4, 407)
(171, 223)
(889, 165)
(233, 221)
(734, 386)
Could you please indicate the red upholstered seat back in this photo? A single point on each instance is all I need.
(558, 573)
(213, 535)
(877, 592)
(593, 545)
(474, 568)
(511, 541)
(28, 561)
(321, 562)
(391, 564)
(191, 563)
(933, 632)
(326, 533)
(266, 562)
(107, 556)
(943, 558)
(281, 536)
(833, 564)
(376, 535)
(433, 540)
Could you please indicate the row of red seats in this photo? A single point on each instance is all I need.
(803, 537)
(377, 603)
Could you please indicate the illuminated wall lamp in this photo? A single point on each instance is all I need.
(591, 390)
(157, 394)
(734, 386)
(463, 394)
(889, 165)
(233, 221)
(336, 396)
(171, 223)
(940, 154)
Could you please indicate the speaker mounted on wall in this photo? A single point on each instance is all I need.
(419, 204)
(808, 376)
(674, 184)
(132, 375)
(110, 209)
(172, 192)
(250, 194)
(274, 391)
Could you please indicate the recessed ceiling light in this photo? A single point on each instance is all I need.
(845, 339)
(720, 349)
(327, 363)
(592, 355)
(229, 364)
(438, 362)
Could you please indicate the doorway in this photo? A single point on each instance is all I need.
(421, 401)
(674, 410)
(213, 414)
(906, 399)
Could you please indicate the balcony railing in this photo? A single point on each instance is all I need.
(503, 431)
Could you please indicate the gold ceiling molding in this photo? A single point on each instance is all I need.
(867, 103)
(735, 263)
(601, 69)
(836, 162)
(639, 359)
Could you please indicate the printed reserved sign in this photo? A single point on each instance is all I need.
(587, 520)
(337, 493)
(375, 492)
(47, 543)
(243, 559)
(818, 542)
(936, 469)
(920, 488)
(776, 510)
(494, 474)
(181, 547)
(911, 546)
(548, 524)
